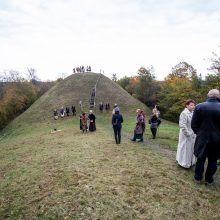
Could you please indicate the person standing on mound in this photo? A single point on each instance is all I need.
(84, 122)
(117, 120)
(91, 117)
(185, 157)
(139, 127)
(206, 125)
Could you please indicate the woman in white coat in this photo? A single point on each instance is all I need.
(185, 150)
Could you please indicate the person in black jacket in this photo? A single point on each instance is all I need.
(206, 125)
(154, 122)
(92, 124)
(117, 120)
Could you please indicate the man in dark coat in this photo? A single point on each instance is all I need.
(206, 125)
(117, 120)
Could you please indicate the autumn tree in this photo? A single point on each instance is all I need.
(147, 87)
(181, 84)
(18, 94)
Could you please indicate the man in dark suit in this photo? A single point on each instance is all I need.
(206, 125)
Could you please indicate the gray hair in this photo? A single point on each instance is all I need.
(214, 93)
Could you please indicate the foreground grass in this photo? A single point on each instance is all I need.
(71, 175)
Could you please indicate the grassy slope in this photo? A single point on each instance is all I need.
(70, 91)
(70, 175)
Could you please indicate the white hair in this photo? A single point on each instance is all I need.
(214, 93)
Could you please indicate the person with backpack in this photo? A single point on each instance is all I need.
(117, 120)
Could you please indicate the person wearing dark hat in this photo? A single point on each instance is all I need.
(117, 120)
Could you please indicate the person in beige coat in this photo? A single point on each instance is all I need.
(185, 150)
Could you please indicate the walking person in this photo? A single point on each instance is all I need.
(185, 149)
(206, 125)
(117, 120)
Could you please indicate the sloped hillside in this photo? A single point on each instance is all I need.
(75, 88)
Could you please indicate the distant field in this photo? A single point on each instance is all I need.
(71, 175)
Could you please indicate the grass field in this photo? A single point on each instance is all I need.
(71, 175)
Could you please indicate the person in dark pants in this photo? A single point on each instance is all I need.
(117, 120)
(67, 111)
(206, 125)
(73, 110)
(92, 118)
(154, 122)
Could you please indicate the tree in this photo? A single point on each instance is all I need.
(124, 82)
(182, 70)
(147, 88)
(181, 84)
(215, 65)
(32, 76)
(11, 76)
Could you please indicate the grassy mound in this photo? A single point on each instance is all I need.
(71, 175)
(75, 88)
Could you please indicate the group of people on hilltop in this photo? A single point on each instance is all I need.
(62, 112)
(199, 137)
(82, 69)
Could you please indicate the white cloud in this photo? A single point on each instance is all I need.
(115, 36)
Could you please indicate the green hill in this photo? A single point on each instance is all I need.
(75, 88)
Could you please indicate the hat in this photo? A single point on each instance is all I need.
(115, 105)
(90, 111)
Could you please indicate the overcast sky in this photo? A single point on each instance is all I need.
(116, 36)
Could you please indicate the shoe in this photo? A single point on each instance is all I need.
(141, 140)
(209, 184)
(197, 181)
(132, 139)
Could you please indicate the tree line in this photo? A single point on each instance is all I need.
(17, 93)
(182, 83)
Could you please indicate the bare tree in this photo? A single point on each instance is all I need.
(32, 75)
(215, 65)
(11, 76)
